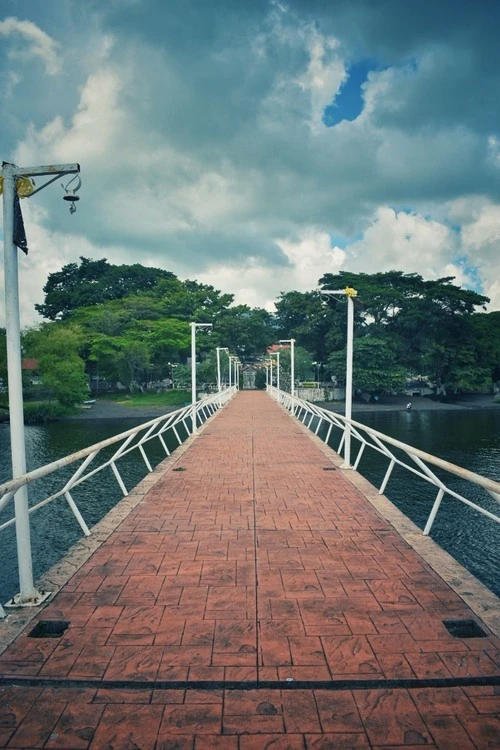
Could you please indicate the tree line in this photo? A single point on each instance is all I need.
(130, 324)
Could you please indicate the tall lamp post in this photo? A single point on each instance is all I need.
(17, 181)
(292, 363)
(172, 370)
(232, 370)
(218, 350)
(194, 326)
(349, 294)
(271, 354)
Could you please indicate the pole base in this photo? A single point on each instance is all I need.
(345, 466)
(39, 597)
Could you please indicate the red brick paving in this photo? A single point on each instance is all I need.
(253, 564)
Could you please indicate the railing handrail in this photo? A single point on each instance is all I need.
(14, 484)
(188, 416)
(485, 482)
(420, 457)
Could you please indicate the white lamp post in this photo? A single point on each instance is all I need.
(17, 179)
(172, 369)
(292, 363)
(218, 350)
(194, 326)
(350, 294)
(271, 354)
(232, 370)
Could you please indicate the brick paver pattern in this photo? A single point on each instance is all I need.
(247, 561)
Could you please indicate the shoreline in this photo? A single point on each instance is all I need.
(418, 403)
(104, 410)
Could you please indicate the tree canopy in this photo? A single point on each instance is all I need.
(131, 322)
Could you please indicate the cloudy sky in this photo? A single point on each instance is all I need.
(257, 144)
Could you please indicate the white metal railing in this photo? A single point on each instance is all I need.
(306, 412)
(134, 439)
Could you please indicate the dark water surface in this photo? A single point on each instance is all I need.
(468, 438)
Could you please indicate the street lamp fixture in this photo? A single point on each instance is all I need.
(194, 326)
(172, 366)
(71, 195)
(292, 363)
(349, 293)
(318, 367)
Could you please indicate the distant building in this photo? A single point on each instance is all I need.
(277, 347)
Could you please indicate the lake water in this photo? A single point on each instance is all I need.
(468, 438)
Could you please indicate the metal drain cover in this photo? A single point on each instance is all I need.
(49, 629)
(464, 629)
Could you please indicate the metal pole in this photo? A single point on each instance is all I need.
(218, 369)
(292, 390)
(27, 591)
(278, 370)
(348, 381)
(271, 372)
(193, 376)
(230, 363)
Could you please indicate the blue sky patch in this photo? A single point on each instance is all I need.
(348, 104)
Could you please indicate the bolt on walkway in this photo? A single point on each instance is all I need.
(253, 600)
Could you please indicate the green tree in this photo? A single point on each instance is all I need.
(245, 331)
(426, 323)
(61, 368)
(304, 316)
(302, 366)
(92, 282)
(375, 366)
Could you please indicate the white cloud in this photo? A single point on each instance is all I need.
(258, 285)
(37, 43)
(324, 75)
(404, 241)
(481, 243)
(48, 252)
(94, 127)
(206, 153)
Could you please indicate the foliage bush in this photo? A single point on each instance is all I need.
(39, 412)
(260, 379)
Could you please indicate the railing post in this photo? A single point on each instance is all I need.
(433, 513)
(77, 513)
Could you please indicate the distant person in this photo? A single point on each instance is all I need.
(408, 406)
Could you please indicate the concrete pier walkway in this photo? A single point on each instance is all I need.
(253, 599)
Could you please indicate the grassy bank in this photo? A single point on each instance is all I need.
(167, 398)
